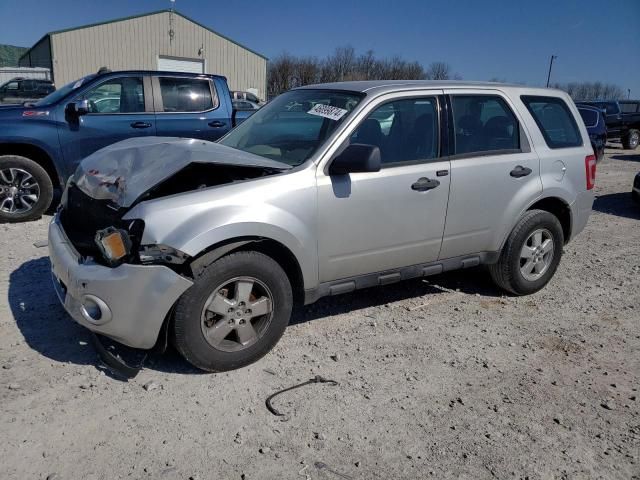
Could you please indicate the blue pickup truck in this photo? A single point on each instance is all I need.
(42, 143)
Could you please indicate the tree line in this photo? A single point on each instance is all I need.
(288, 71)
(584, 91)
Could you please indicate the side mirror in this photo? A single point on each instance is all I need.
(79, 108)
(357, 157)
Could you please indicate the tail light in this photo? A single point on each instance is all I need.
(590, 170)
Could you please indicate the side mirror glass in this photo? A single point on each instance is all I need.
(356, 158)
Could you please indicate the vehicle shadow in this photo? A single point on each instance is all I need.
(48, 329)
(472, 281)
(627, 158)
(41, 319)
(619, 204)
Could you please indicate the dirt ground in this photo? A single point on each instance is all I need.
(445, 378)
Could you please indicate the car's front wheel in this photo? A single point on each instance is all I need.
(530, 255)
(236, 311)
(26, 191)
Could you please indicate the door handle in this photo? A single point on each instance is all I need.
(520, 171)
(217, 124)
(140, 125)
(423, 184)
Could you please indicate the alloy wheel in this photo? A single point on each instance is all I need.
(237, 314)
(19, 191)
(536, 254)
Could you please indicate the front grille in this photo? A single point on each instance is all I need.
(82, 216)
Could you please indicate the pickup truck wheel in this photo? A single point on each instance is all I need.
(26, 190)
(236, 311)
(631, 140)
(531, 254)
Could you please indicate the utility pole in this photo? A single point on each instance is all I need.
(628, 93)
(553, 57)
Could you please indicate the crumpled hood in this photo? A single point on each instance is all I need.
(125, 170)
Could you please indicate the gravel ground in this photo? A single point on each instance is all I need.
(441, 379)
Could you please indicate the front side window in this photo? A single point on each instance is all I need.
(118, 95)
(252, 98)
(12, 86)
(404, 130)
(294, 125)
(185, 94)
(555, 120)
(484, 123)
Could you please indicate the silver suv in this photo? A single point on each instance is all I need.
(325, 190)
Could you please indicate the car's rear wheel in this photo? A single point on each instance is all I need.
(631, 140)
(236, 311)
(531, 254)
(26, 190)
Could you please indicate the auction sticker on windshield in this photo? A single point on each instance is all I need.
(327, 111)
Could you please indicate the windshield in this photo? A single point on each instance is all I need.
(59, 94)
(294, 125)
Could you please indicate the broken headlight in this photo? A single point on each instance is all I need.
(114, 244)
(161, 254)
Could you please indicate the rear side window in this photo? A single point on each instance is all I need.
(629, 107)
(484, 123)
(185, 94)
(589, 117)
(555, 121)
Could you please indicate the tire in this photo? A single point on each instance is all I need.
(21, 181)
(230, 276)
(508, 272)
(635, 197)
(631, 140)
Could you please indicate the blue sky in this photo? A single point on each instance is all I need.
(507, 39)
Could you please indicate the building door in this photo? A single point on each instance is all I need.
(186, 65)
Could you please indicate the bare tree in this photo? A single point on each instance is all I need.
(287, 71)
(281, 74)
(438, 71)
(591, 90)
(307, 70)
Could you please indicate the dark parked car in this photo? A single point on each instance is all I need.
(248, 96)
(623, 120)
(41, 144)
(635, 192)
(20, 90)
(594, 120)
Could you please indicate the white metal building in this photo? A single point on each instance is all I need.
(162, 40)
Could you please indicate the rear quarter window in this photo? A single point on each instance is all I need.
(590, 117)
(555, 121)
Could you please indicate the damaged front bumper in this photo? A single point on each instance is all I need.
(127, 303)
